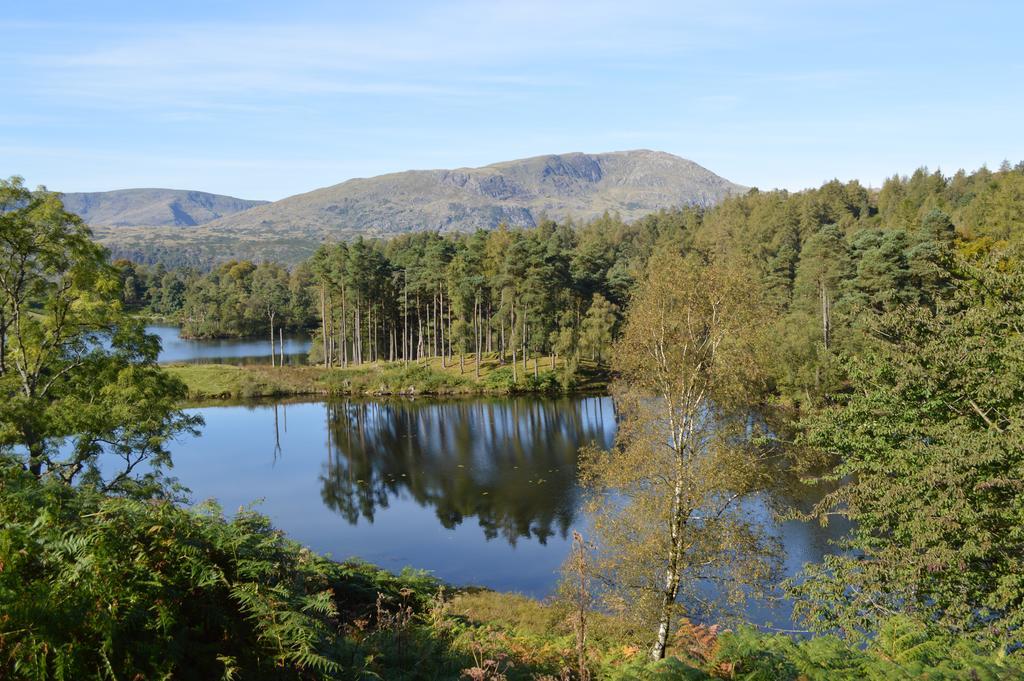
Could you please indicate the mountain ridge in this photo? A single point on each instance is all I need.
(519, 193)
(153, 207)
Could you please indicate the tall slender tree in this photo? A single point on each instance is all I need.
(667, 499)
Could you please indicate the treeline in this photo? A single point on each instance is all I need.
(553, 291)
(828, 257)
(834, 257)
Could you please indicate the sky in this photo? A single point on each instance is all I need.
(262, 100)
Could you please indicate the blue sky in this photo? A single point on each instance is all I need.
(263, 100)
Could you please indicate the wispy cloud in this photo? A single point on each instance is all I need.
(457, 49)
(258, 98)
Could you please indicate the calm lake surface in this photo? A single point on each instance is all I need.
(479, 491)
(226, 350)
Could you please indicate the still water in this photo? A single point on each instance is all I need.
(478, 492)
(225, 350)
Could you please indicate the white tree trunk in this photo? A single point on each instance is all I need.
(672, 575)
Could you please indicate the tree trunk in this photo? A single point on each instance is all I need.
(450, 319)
(479, 340)
(444, 355)
(330, 330)
(826, 316)
(344, 328)
(3, 345)
(272, 349)
(35, 459)
(323, 321)
(668, 597)
(406, 343)
(525, 353)
(512, 339)
(419, 330)
(280, 337)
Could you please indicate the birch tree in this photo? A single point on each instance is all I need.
(667, 499)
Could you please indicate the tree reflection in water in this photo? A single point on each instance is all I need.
(511, 463)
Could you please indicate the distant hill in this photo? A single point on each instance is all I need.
(153, 207)
(519, 193)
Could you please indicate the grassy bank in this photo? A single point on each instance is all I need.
(224, 381)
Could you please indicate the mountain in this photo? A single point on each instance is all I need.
(152, 207)
(519, 193)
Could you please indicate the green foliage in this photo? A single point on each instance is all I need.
(502, 381)
(77, 374)
(396, 379)
(929, 446)
(909, 364)
(598, 328)
(665, 503)
(902, 649)
(112, 587)
(236, 299)
(826, 257)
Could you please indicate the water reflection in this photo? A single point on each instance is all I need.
(511, 464)
(479, 492)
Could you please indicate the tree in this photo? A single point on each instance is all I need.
(824, 266)
(929, 447)
(269, 297)
(77, 375)
(667, 499)
(598, 325)
(816, 320)
(881, 268)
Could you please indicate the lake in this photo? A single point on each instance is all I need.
(226, 350)
(477, 491)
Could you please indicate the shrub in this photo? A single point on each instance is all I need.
(500, 380)
(102, 586)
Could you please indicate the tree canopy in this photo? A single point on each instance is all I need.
(930, 456)
(78, 376)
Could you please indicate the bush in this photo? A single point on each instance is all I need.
(99, 586)
(500, 380)
(104, 587)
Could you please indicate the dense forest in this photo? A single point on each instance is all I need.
(829, 258)
(885, 324)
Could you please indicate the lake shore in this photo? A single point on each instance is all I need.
(427, 377)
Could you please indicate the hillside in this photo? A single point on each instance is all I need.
(153, 207)
(519, 193)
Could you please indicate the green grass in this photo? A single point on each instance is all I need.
(429, 377)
